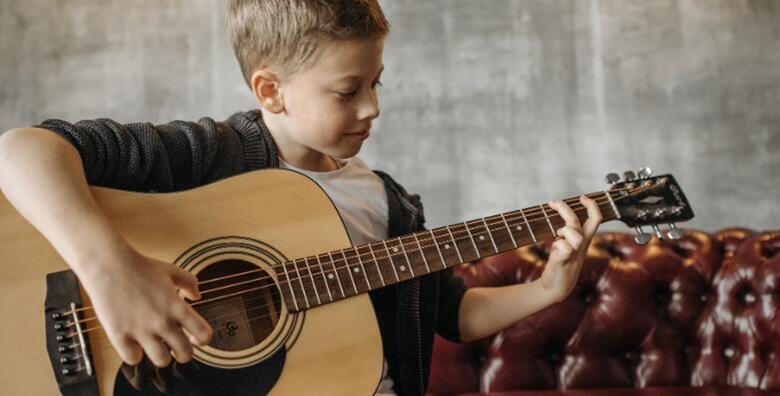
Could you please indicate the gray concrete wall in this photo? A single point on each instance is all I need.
(487, 105)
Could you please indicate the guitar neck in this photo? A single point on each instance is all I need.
(308, 282)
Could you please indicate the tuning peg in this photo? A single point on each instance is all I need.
(642, 237)
(674, 232)
(645, 173)
(612, 178)
(658, 232)
(628, 176)
(660, 212)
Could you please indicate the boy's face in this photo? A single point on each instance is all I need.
(329, 106)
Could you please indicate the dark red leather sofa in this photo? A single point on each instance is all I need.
(695, 316)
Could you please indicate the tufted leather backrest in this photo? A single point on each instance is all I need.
(702, 310)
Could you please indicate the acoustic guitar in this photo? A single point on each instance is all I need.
(283, 288)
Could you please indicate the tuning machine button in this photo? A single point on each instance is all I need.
(641, 237)
(674, 232)
(645, 173)
(612, 178)
(629, 176)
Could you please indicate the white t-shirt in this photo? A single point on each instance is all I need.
(360, 198)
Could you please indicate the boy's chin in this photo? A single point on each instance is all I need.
(347, 153)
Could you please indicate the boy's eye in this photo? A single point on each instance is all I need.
(351, 94)
(348, 95)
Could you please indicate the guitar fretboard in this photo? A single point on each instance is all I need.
(316, 280)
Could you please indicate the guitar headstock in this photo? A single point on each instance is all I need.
(645, 200)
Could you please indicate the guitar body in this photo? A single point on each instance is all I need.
(253, 221)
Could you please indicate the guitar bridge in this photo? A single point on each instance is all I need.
(66, 340)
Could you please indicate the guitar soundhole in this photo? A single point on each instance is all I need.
(240, 301)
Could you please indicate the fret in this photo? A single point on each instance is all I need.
(464, 242)
(490, 234)
(558, 221)
(372, 272)
(406, 256)
(289, 285)
(345, 267)
(300, 280)
(612, 204)
(449, 253)
(581, 215)
(356, 268)
(394, 254)
(313, 281)
(527, 224)
(502, 237)
(471, 237)
(552, 229)
(376, 264)
(363, 268)
(422, 253)
(509, 230)
(322, 273)
(390, 260)
(480, 238)
(335, 275)
(454, 245)
(438, 250)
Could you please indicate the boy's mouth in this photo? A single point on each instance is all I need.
(360, 135)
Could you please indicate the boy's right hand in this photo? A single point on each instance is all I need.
(136, 301)
(134, 296)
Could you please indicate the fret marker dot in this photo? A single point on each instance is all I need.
(395, 249)
(519, 228)
(356, 270)
(481, 237)
(447, 246)
(330, 276)
(402, 268)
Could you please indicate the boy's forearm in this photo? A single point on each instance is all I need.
(487, 310)
(42, 176)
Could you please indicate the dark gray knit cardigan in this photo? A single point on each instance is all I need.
(183, 155)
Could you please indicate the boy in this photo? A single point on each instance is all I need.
(314, 67)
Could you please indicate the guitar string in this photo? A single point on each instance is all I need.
(273, 286)
(465, 231)
(466, 234)
(321, 273)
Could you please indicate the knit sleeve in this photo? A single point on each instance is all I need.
(451, 291)
(168, 157)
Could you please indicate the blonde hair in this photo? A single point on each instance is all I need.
(289, 34)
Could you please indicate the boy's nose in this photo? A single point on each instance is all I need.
(369, 107)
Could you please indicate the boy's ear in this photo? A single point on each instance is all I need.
(265, 86)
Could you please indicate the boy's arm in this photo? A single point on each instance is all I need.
(168, 157)
(488, 310)
(485, 310)
(134, 296)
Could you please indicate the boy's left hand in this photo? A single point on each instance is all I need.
(569, 250)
